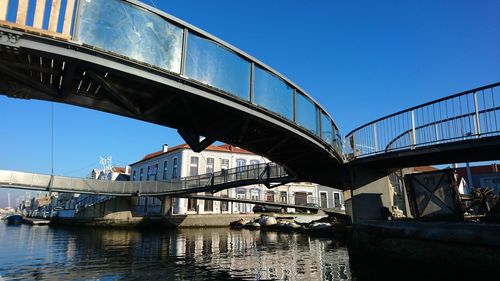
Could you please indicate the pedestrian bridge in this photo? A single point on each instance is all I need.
(269, 174)
(463, 127)
(129, 59)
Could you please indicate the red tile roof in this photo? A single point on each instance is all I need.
(118, 170)
(423, 169)
(220, 148)
(478, 170)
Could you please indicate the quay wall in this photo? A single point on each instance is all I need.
(447, 244)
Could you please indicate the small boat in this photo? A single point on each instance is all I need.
(14, 219)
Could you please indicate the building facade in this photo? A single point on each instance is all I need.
(180, 161)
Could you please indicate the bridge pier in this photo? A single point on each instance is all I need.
(166, 206)
(371, 194)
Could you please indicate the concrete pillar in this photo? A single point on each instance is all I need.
(166, 208)
(372, 194)
(181, 206)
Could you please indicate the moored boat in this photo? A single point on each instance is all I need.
(14, 219)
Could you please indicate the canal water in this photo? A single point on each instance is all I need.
(63, 253)
(70, 253)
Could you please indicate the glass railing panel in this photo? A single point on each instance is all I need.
(337, 140)
(326, 128)
(131, 31)
(305, 114)
(273, 93)
(217, 66)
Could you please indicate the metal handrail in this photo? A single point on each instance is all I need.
(471, 114)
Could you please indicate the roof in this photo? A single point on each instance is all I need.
(424, 169)
(221, 148)
(479, 170)
(120, 170)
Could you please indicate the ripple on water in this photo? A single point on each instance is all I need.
(58, 253)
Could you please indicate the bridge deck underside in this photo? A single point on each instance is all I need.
(39, 68)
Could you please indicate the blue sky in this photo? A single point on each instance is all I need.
(360, 59)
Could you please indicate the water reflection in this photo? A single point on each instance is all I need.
(44, 253)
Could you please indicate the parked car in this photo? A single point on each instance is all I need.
(267, 208)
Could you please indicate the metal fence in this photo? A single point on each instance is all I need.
(467, 115)
(252, 174)
(88, 201)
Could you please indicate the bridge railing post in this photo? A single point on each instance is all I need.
(437, 133)
(375, 145)
(477, 124)
(413, 135)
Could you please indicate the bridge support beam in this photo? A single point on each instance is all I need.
(371, 194)
(193, 140)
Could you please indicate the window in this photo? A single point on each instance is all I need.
(270, 196)
(165, 169)
(241, 194)
(141, 174)
(336, 199)
(155, 172)
(192, 204)
(174, 168)
(283, 196)
(241, 162)
(224, 164)
(193, 166)
(300, 198)
(149, 172)
(210, 165)
(255, 168)
(133, 175)
(240, 168)
(224, 205)
(323, 200)
(209, 204)
(255, 194)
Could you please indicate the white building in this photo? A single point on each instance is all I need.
(180, 161)
(114, 174)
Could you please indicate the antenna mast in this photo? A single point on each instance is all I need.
(106, 163)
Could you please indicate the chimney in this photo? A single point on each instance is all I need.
(127, 169)
(165, 148)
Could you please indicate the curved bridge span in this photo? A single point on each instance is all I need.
(464, 127)
(126, 58)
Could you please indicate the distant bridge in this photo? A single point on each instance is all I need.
(268, 174)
